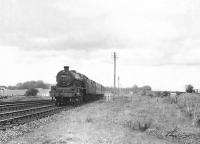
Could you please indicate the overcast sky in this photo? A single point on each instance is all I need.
(157, 41)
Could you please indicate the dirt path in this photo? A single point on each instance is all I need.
(115, 122)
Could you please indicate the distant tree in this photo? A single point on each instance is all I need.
(30, 84)
(31, 92)
(146, 88)
(189, 88)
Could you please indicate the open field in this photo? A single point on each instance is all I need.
(17, 95)
(136, 119)
(8, 92)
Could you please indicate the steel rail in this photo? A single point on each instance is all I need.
(28, 117)
(20, 112)
(22, 106)
(3, 104)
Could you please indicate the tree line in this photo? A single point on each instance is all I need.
(30, 84)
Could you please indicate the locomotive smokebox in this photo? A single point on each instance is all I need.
(66, 68)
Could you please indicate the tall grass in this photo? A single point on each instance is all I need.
(140, 125)
(190, 105)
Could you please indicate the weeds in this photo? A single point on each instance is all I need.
(189, 105)
(174, 100)
(196, 116)
(89, 120)
(139, 125)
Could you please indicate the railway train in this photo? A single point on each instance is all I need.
(74, 88)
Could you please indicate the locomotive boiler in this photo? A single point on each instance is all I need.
(74, 88)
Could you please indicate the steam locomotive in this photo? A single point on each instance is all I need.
(74, 88)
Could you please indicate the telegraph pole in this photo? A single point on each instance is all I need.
(114, 85)
(114, 70)
(118, 86)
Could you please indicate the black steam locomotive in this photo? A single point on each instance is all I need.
(74, 88)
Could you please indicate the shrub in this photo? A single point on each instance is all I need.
(31, 92)
(165, 94)
(189, 88)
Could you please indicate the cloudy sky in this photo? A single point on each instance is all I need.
(157, 41)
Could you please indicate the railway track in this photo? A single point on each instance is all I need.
(7, 106)
(18, 102)
(21, 112)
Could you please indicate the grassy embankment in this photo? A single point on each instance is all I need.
(174, 119)
(178, 119)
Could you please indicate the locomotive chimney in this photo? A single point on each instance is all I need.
(66, 68)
